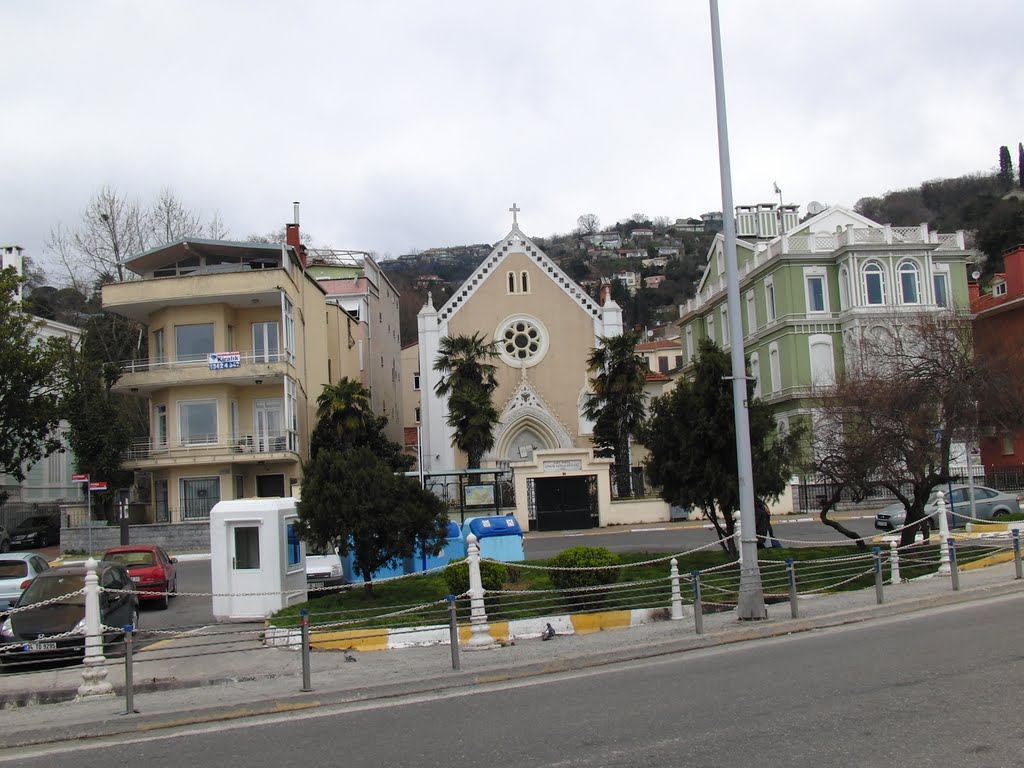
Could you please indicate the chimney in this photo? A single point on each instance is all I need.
(293, 238)
(1013, 266)
(606, 293)
(973, 292)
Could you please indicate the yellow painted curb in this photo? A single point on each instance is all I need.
(985, 562)
(357, 639)
(499, 631)
(584, 623)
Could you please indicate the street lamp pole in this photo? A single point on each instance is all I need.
(750, 604)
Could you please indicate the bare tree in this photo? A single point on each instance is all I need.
(588, 224)
(216, 229)
(909, 392)
(170, 220)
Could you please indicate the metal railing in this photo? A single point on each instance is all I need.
(267, 442)
(197, 361)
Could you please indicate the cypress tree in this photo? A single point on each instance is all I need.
(1005, 167)
(1020, 165)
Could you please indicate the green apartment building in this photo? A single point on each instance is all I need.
(808, 288)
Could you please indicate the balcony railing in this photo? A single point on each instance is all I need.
(196, 361)
(208, 445)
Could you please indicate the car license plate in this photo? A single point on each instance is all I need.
(316, 583)
(42, 646)
(136, 578)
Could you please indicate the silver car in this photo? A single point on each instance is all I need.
(989, 504)
(17, 569)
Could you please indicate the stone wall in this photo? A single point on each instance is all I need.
(174, 537)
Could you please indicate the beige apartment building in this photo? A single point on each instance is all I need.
(241, 340)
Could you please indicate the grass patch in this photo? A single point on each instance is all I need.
(526, 587)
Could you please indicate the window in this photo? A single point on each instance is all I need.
(416, 381)
(239, 486)
(844, 289)
(775, 367)
(1007, 445)
(874, 284)
(815, 292)
(999, 289)
(725, 326)
(755, 372)
(940, 282)
(709, 326)
(524, 283)
(662, 363)
(231, 337)
(266, 343)
(689, 343)
(197, 422)
(234, 426)
(193, 342)
(198, 496)
(294, 548)
(522, 341)
(751, 313)
(247, 548)
(159, 426)
(679, 361)
(511, 282)
(159, 352)
(822, 360)
(291, 414)
(417, 414)
(288, 313)
(769, 300)
(163, 513)
(909, 283)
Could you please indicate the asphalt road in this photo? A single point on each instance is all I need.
(937, 688)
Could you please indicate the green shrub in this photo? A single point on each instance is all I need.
(584, 557)
(493, 575)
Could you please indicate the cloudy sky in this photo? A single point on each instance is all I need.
(413, 124)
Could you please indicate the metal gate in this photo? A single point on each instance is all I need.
(563, 503)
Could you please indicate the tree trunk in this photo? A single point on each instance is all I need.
(827, 503)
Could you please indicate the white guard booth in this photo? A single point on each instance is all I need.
(254, 548)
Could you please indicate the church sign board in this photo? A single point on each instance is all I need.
(563, 465)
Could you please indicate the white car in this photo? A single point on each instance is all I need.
(17, 569)
(324, 569)
(989, 504)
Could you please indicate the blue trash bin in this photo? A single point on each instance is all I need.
(499, 536)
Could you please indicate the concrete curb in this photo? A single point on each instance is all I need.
(135, 724)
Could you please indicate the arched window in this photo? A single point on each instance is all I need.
(511, 282)
(910, 283)
(755, 372)
(774, 367)
(874, 284)
(524, 283)
(844, 289)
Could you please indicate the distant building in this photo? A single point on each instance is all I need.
(653, 281)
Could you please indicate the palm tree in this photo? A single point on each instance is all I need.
(616, 403)
(344, 415)
(468, 381)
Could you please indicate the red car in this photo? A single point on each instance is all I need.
(151, 568)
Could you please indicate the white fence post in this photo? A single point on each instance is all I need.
(94, 673)
(894, 562)
(738, 532)
(677, 598)
(940, 512)
(479, 630)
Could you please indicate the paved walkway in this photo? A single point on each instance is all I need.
(254, 679)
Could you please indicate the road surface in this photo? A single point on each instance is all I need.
(925, 689)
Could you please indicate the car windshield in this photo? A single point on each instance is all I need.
(33, 522)
(48, 587)
(13, 569)
(131, 558)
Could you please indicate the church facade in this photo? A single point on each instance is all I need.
(545, 326)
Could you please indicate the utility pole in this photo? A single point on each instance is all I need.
(750, 605)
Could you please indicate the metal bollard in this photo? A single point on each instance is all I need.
(453, 631)
(791, 573)
(1016, 554)
(894, 563)
(677, 598)
(878, 575)
(954, 571)
(129, 677)
(698, 608)
(304, 623)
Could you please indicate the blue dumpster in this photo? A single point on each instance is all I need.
(454, 549)
(499, 536)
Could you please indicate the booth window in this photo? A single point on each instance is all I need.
(247, 548)
(294, 553)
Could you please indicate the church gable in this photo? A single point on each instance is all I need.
(491, 269)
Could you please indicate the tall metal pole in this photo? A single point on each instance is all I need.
(750, 604)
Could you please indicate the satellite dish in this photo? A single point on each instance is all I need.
(814, 207)
(976, 274)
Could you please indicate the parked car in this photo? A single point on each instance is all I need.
(34, 629)
(153, 571)
(17, 569)
(324, 569)
(989, 504)
(5, 540)
(35, 532)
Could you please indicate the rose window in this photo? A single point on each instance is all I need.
(521, 340)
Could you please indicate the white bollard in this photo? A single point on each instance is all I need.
(94, 673)
(479, 630)
(940, 512)
(894, 562)
(677, 598)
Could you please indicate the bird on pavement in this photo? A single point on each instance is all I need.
(548, 633)
(348, 654)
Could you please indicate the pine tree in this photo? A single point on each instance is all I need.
(1005, 167)
(1020, 165)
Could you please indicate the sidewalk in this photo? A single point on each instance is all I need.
(255, 679)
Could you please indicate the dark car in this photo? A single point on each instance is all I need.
(35, 532)
(154, 572)
(32, 630)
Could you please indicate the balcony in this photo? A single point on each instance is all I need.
(143, 376)
(214, 449)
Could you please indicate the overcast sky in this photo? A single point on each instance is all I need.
(414, 124)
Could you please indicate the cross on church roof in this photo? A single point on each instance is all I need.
(515, 209)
